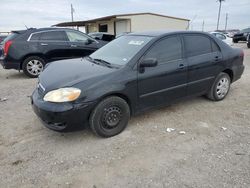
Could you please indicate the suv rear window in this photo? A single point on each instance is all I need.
(53, 36)
(9, 37)
(197, 45)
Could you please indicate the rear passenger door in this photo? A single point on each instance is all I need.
(54, 44)
(167, 81)
(204, 61)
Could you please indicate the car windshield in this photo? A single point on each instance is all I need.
(120, 51)
(247, 30)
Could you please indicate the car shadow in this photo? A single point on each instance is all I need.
(16, 75)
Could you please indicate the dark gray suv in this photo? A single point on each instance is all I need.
(29, 50)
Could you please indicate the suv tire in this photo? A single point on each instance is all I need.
(33, 66)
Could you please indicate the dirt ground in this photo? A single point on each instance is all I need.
(213, 152)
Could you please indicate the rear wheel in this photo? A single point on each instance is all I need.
(110, 117)
(33, 66)
(220, 87)
(248, 45)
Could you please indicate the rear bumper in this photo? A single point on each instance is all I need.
(61, 116)
(6, 64)
(238, 71)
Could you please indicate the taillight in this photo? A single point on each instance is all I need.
(6, 47)
(242, 53)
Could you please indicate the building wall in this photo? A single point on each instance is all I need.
(148, 22)
(94, 27)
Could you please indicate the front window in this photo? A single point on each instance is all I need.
(121, 50)
(76, 37)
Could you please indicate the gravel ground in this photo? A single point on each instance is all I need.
(213, 152)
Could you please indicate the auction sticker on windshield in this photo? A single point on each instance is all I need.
(134, 42)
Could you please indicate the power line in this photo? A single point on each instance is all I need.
(218, 21)
(72, 12)
(226, 21)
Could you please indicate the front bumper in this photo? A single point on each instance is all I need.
(60, 116)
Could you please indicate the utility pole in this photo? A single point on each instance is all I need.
(72, 13)
(203, 24)
(218, 21)
(226, 22)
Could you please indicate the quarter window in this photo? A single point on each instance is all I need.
(168, 49)
(215, 47)
(35, 36)
(197, 45)
(53, 36)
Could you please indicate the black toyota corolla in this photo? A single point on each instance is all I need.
(131, 74)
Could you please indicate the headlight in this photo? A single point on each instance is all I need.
(62, 95)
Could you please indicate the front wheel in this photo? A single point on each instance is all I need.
(248, 45)
(33, 66)
(220, 87)
(110, 117)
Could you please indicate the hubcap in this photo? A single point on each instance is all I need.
(111, 117)
(34, 67)
(222, 87)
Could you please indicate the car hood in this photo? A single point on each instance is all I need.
(67, 73)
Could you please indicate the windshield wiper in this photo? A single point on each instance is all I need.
(102, 61)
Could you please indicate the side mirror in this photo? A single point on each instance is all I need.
(150, 62)
(88, 41)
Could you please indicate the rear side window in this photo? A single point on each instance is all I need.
(197, 45)
(53, 36)
(168, 49)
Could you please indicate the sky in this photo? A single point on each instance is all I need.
(15, 14)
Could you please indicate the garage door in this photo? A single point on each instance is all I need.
(121, 26)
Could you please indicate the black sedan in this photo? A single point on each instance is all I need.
(131, 74)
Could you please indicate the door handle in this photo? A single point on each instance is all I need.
(44, 44)
(181, 66)
(73, 45)
(217, 58)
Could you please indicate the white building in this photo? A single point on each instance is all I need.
(117, 24)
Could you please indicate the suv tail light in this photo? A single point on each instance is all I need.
(6, 47)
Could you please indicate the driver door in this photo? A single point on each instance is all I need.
(167, 81)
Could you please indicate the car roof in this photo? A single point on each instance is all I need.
(165, 32)
(42, 29)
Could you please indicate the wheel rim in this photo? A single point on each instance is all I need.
(34, 67)
(111, 117)
(222, 87)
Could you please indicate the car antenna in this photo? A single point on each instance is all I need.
(25, 26)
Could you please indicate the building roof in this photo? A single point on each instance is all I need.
(83, 23)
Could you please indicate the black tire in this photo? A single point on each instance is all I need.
(110, 117)
(213, 93)
(27, 67)
(248, 45)
(235, 41)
